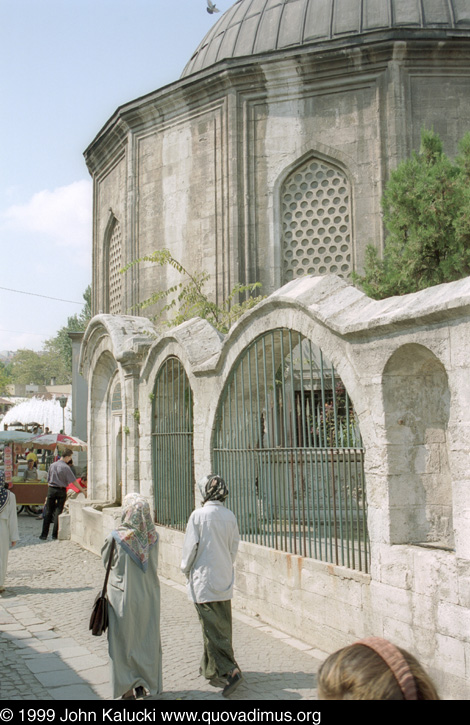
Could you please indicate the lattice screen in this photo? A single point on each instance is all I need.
(316, 222)
(115, 265)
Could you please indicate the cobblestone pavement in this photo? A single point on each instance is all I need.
(47, 652)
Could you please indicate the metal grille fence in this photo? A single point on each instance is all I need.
(173, 446)
(288, 443)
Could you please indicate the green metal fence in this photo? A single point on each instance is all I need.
(287, 441)
(173, 446)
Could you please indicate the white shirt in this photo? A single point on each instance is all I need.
(209, 550)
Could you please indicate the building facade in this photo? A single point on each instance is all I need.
(339, 422)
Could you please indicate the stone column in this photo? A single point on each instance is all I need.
(131, 425)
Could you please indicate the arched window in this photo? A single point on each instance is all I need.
(287, 441)
(112, 268)
(172, 432)
(316, 222)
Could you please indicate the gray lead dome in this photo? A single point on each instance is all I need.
(254, 27)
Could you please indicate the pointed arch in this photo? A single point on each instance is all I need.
(315, 210)
(112, 264)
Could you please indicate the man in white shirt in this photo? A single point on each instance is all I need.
(209, 551)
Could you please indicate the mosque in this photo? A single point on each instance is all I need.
(333, 417)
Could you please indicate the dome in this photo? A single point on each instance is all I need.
(253, 27)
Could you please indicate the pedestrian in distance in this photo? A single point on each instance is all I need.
(133, 591)
(9, 534)
(209, 550)
(30, 473)
(59, 476)
(374, 669)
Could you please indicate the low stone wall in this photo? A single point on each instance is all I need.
(89, 527)
(420, 603)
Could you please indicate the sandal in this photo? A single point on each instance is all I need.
(233, 681)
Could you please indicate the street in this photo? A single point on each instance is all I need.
(48, 653)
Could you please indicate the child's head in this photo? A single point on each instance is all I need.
(374, 669)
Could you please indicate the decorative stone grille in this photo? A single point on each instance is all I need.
(115, 265)
(316, 222)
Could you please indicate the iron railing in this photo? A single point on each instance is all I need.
(288, 442)
(173, 446)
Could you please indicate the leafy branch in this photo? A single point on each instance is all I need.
(187, 298)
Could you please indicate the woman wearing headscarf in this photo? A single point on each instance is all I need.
(134, 602)
(8, 527)
(209, 551)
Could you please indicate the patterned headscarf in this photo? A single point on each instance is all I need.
(4, 492)
(136, 533)
(215, 489)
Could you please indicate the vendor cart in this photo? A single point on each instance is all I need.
(30, 495)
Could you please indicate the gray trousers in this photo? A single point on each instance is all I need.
(216, 621)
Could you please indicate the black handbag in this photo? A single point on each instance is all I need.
(99, 613)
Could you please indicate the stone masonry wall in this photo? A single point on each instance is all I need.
(405, 366)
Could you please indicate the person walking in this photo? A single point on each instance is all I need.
(133, 591)
(9, 534)
(209, 550)
(59, 476)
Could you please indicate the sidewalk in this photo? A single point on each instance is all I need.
(47, 652)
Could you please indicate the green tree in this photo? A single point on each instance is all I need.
(5, 377)
(61, 345)
(37, 368)
(426, 208)
(187, 298)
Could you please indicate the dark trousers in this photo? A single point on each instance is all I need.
(216, 620)
(55, 501)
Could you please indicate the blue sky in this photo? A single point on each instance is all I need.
(66, 66)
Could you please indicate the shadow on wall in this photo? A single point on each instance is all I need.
(417, 405)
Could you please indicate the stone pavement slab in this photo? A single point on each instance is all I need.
(49, 654)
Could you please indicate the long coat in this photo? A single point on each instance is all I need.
(134, 622)
(8, 533)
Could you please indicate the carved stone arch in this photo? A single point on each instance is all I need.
(112, 264)
(417, 407)
(315, 224)
(104, 371)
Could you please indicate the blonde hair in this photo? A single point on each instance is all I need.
(359, 672)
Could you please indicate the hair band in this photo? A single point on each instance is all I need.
(396, 662)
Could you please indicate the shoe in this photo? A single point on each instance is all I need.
(126, 696)
(218, 681)
(233, 681)
(43, 538)
(140, 693)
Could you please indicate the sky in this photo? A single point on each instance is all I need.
(67, 65)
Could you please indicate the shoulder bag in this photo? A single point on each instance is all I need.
(99, 612)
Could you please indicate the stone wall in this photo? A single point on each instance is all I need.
(405, 365)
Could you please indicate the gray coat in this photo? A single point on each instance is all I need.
(134, 622)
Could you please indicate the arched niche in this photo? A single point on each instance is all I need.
(417, 403)
(104, 374)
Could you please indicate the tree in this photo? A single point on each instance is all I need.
(426, 208)
(37, 368)
(5, 377)
(61, 344)
(188, 299)
(55, 361)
